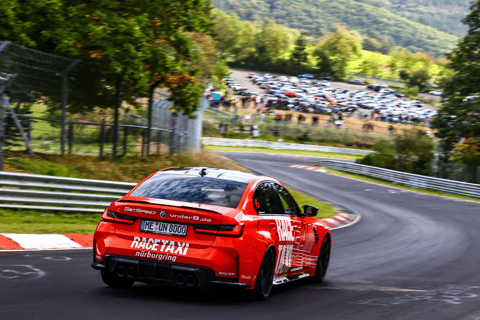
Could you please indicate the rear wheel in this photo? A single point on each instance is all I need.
(323, 261)
(113, 280)
(264, 282)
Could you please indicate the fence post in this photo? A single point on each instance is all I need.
(70, 137)
(125, 140)
(102, 138)
(159, 139)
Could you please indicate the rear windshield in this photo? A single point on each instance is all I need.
(212, 191)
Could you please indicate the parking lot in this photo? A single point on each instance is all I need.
(341, 99)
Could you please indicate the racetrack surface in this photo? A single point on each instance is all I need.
(411, 256)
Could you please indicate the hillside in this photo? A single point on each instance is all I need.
(318, 18)
(445, 15)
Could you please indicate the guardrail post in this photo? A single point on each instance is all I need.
(70, 138)
(102, 138)
(125, 140)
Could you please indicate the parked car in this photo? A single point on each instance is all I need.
(357, 81)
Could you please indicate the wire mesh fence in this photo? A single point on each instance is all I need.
(88, 138)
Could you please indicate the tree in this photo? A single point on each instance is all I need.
(460, 116)
(299, 55)
(341, 47)
(324, 64)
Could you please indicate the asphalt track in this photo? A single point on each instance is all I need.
(411, 256)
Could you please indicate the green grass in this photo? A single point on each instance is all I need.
(324, 210)
(21, 221)
(391, 184)
(286, 151)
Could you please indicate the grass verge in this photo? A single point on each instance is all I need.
(16, 221)
(391, 184)
(131, 169)
(286, 151)
(324, 210)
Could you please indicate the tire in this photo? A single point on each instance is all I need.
(113, 280)
(264, 282)
(323, 261)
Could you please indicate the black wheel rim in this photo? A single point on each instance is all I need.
(325, 256)
(268, 266)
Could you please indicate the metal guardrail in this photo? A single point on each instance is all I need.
(407, 179)
(39, 192)
(212, 141)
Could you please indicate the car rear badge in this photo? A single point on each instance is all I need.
(163, 214)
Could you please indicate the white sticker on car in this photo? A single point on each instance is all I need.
(173, 247)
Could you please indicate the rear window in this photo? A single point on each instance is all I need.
(212, 191)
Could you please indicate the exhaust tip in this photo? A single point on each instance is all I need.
(180, 279)
(191, 281)
(130, 272)
(121, 271)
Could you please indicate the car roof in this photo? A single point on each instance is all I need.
(232, 175)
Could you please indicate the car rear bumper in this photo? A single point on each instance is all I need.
(155, 271)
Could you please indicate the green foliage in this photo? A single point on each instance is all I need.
(318, 18)
(341, 47)
(444, 15)
(300, 54)
(416, 78)
(467, 152)
(460, 116)
(127, 48)
(411, 152)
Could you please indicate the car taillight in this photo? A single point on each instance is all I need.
(224, 230)
(116, 217)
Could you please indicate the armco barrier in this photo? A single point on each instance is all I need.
(279, 145)
(38, 192)
(407, 179)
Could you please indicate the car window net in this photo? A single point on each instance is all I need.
(203, 190)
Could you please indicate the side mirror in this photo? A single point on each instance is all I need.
(310, 211)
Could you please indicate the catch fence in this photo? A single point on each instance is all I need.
(90, 138)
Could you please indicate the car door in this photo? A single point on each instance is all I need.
(277, 223)
(305, 236)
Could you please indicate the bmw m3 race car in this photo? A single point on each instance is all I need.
(202, 226)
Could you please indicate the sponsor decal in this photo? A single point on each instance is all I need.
(226, 273)
(158, 256)
(284, 257)
(195, 218)
(98, 257)
(245, 277)
(296, 269)
(167, 246)
(138, 210)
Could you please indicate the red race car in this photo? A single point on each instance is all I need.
(202, 226)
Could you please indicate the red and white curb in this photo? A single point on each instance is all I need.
(10, 242)
(340, 221)
(308, 168)
(15, 241)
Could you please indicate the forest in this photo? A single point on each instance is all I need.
(445, 15)
(317, 18)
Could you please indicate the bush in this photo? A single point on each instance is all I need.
(411, 152)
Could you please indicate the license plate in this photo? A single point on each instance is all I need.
(172, 229)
